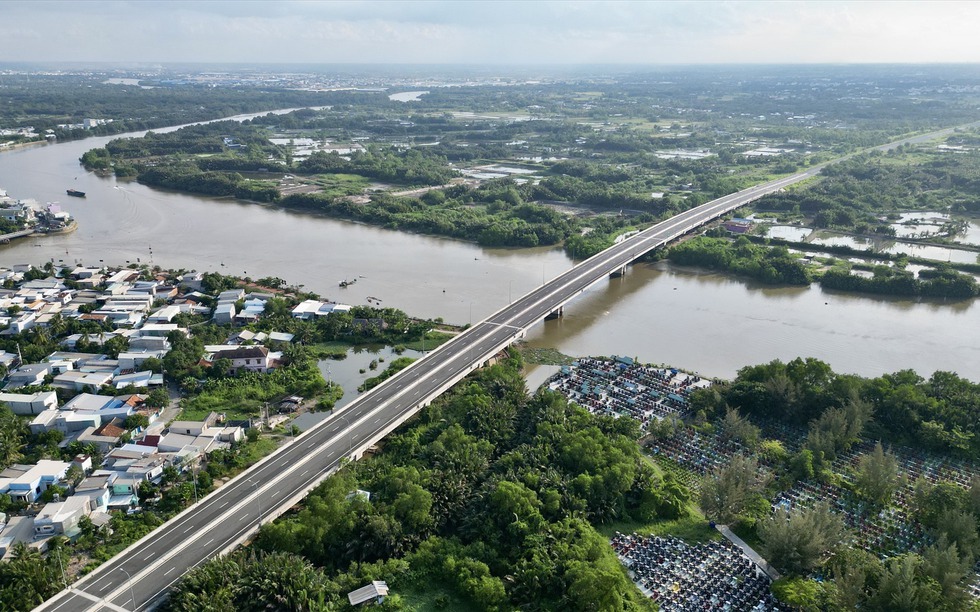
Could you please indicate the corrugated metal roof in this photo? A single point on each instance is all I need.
(378, 588)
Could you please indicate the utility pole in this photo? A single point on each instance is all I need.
(132, 593)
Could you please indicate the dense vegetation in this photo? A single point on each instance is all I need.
(45, 101)
(495, 214)
(776, 265)
(901, 410)
(618, 154)
(941, 413)
(488, 499)
(852, 194)
(942, 282)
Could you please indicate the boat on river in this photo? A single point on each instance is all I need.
(76, 193)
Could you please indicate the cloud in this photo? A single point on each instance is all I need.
(490, 32)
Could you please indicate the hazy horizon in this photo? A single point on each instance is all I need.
(482, 33)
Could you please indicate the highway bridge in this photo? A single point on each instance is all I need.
(139, 577)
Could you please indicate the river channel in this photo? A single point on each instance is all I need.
(701, 321)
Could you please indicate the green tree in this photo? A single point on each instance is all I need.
(876, 477)
(208, 587)
(904, 587)
(51, 492)
(152, 364)
(115, 345)
(837, 429)
(136, 420)
(158, 398)
(795, 541)
(799, 593)
(13, 434)
(280, 581)
(74, 475)
(728, 491)
(944, 564)
(736, 427)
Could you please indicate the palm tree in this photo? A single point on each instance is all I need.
(11, 437)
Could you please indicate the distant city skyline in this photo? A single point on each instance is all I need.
(481, 32)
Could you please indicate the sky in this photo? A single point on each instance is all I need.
(489, 32)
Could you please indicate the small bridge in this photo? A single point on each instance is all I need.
(5, 238)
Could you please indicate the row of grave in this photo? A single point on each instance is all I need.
(681, 577)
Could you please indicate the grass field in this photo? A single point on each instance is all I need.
(434, 598)
(336, 185)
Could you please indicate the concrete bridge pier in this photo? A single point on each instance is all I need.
(618, 272)
(555, 314)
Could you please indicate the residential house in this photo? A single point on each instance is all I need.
(121, 316)
(192, 281)
(224, 313)
(161, 330)
(70, 342)
(30, 403)
(251, 310)
(311, 309)
(44, 286)
(251, 358)
(738, 226)
(18, 529)
(75, 360)
(91, 282)
(109, 366)
(23, 322)
(231, 295)
(132, 360)
(83, 462)
(79, 273)
(140, 379)
(67, 422)
(306, 310)
(247, 336)
(149, 343)
(202, 436)
(189, 447)
(124, 492)
(62, 517)
(27, 375)
(97, 489)
(196, 428)
(25, 483)
(104, 437)
(79, 381)
(123, 276)
(164, 315)
(105, 406)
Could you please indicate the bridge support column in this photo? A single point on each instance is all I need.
(618, 272)
(555, 314)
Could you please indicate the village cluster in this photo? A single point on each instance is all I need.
(118, 409)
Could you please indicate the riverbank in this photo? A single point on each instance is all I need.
(67, 229)
(23, 145)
